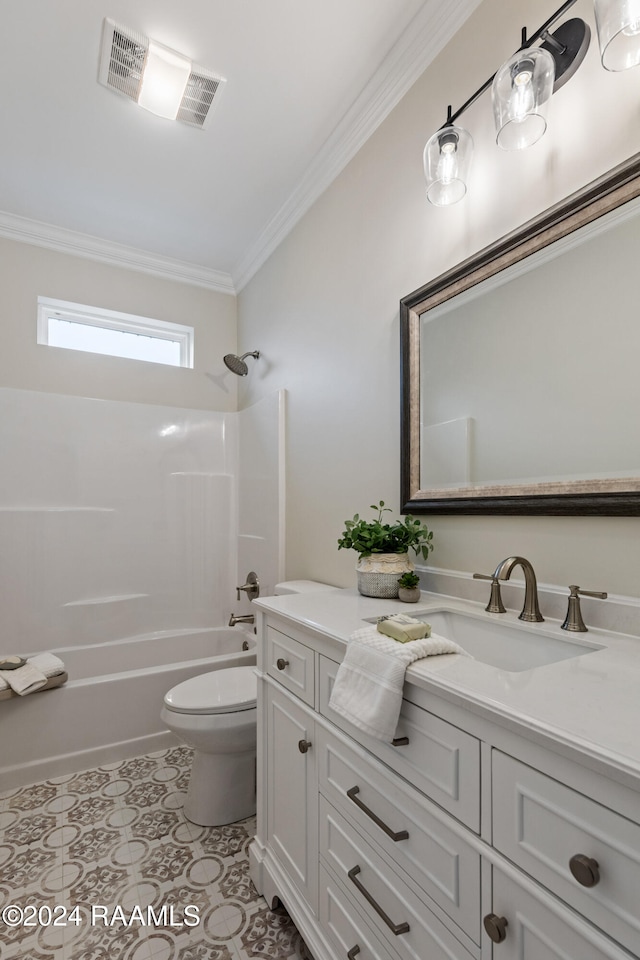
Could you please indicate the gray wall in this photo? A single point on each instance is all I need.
(324, 308)
(29, 272)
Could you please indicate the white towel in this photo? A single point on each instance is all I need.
(33, 675)
(368, 687)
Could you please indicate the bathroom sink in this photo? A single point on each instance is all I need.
(507, 644)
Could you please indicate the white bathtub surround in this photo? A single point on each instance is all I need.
(106, 511)
(119, 530)
(261, 506)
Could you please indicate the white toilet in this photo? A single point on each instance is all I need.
(216, 714)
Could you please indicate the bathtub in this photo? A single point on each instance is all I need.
(109, 709)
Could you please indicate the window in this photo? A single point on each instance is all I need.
(78, 327)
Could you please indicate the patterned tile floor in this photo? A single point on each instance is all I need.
(114, 837)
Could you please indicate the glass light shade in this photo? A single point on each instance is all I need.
(447, 158)
(164, 81)
(520, 93)
(618, 23)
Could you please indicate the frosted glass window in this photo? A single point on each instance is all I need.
(94, 330)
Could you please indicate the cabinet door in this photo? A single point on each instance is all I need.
(541, 928)
(292, 791)
(544, 827)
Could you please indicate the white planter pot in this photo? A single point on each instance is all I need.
(378, 574)
(409, 594)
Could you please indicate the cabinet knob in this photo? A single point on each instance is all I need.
(496, 927)
(304, 745)
(585, 869)
(281, 664)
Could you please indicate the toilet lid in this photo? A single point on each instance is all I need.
(222, 691)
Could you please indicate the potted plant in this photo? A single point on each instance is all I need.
(383, 550)
(409, 587)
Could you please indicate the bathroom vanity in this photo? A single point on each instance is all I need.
(502, 822)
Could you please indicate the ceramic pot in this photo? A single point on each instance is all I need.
(378, 574)
(409, 594)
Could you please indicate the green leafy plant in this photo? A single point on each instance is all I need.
(374, 536)
(409, 580)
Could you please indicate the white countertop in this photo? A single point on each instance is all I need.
(589, 703)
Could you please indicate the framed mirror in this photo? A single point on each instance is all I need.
(520, 367)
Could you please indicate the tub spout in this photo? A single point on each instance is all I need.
(246, 618)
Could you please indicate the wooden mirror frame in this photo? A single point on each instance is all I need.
(560, 498)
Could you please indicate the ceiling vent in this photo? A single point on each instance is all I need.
(122, 61)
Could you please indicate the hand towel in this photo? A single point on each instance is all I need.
(33, 675)
(368, 687)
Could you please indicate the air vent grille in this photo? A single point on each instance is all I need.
(123, 55)
(198, 97)
(122, 63)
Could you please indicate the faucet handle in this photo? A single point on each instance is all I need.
(495, 604)
(573, 621)
(251, 587)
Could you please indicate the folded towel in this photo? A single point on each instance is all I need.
(368, 688)
(33, 675)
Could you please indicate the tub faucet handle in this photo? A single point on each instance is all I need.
(251, 587)
(573, 621)
(495, 604)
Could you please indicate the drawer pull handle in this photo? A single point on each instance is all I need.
(585, 870)
(395, 835)
(496, 927)
(304, 745)
(396, 928)
(352, 954)
(400, 742)
(281, 664)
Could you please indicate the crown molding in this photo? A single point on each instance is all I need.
(429, 31)
(427, 34)
(40, 234)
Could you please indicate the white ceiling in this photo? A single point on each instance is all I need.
(307, 83)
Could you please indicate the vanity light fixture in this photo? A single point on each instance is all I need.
(447, 157)
(521, 90)
(520, 93)
(618, 24)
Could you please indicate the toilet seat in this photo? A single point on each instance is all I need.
(231, 690)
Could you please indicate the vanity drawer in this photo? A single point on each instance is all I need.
(438, 758)
(407, 926)
(292, 664)
(350, 934)
(540, 928)
(444, 869)
(542, 825)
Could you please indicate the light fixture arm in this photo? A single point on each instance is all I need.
(542, 33)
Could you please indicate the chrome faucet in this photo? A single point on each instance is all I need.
(245, 618)
(530, 609)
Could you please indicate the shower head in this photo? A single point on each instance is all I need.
(237, 364)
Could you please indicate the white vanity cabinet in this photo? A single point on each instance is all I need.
(462, 840)
(292, 791)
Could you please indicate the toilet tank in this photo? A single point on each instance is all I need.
(300, 586)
